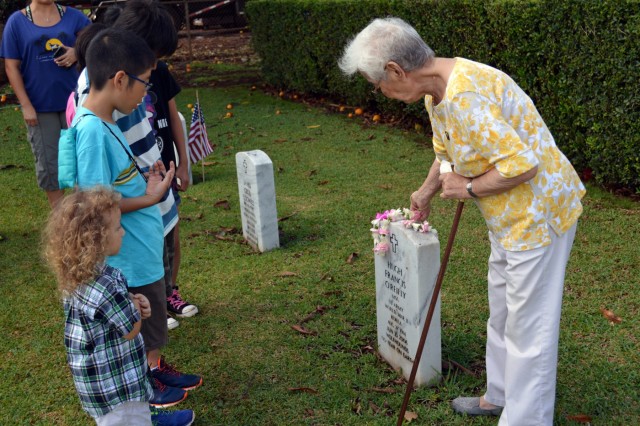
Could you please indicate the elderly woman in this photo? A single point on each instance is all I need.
(506, 160)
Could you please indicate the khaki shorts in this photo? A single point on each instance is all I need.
(154, 329)
(44, 139)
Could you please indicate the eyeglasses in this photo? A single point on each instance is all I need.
(147, 85)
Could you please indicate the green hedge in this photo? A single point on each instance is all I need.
(579, 60)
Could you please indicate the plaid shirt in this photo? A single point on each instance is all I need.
(107, 369)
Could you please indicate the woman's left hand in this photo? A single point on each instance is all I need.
(66, 59)
(454, 186)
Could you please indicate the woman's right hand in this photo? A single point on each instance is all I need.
(420, 207)
(29, 115)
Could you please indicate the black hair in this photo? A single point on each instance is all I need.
(110, 15)
(114, 50)
(82, 42)
(151, 21)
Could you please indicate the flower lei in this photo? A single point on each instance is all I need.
(380, 230)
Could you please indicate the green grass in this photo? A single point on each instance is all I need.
(330, 180)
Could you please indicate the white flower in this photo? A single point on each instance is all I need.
(395, 215)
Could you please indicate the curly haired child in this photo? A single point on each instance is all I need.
(105, 350)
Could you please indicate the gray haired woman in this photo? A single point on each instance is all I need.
(506, 160)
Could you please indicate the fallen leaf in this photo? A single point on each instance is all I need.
(374, 407)
(352, 257)
(328, 277)
(209, 163)
(315, 126)
(385, 186)
(311, 173)
(323, 182)
(453, 364)
(287, 274)
(609, 315)
(319, 311)
(383, 390)
(356, 407)
(410, 415)
(371, 137)
(223, 204)
(283, 218)
(367, 349)
(580, 418)
(232, 230)
(306, 139)
(307, 390)
(309, 412)
(279, 140)
(303, 330)
(222, 237)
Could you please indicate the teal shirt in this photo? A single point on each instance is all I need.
(102, 160)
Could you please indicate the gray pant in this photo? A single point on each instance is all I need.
(43, 139)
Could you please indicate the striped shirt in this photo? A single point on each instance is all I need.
(107, 369)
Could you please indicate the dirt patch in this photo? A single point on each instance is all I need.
(215, 58)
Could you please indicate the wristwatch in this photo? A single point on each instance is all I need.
(470, 189)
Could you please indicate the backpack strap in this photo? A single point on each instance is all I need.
(133, 160)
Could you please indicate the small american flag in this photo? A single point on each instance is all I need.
(198, 144)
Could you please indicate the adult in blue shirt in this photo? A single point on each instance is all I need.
(37, 46)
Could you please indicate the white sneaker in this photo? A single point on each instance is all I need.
(172, 322)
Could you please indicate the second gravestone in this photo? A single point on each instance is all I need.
(257, 200)
(405, 279)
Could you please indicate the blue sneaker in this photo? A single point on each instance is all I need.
(166, 396)
(172, 418)
(169, 376)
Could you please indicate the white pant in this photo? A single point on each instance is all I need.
(131, 413)
(525, 299)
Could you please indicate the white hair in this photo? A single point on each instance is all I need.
(384, 40)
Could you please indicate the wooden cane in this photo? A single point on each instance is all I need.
(432, 307)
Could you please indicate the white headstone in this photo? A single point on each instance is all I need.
(257, 200)
(405, 279)
(186, 138)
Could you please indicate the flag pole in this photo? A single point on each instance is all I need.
(202, 159)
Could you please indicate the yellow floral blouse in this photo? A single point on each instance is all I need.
(485, 120)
